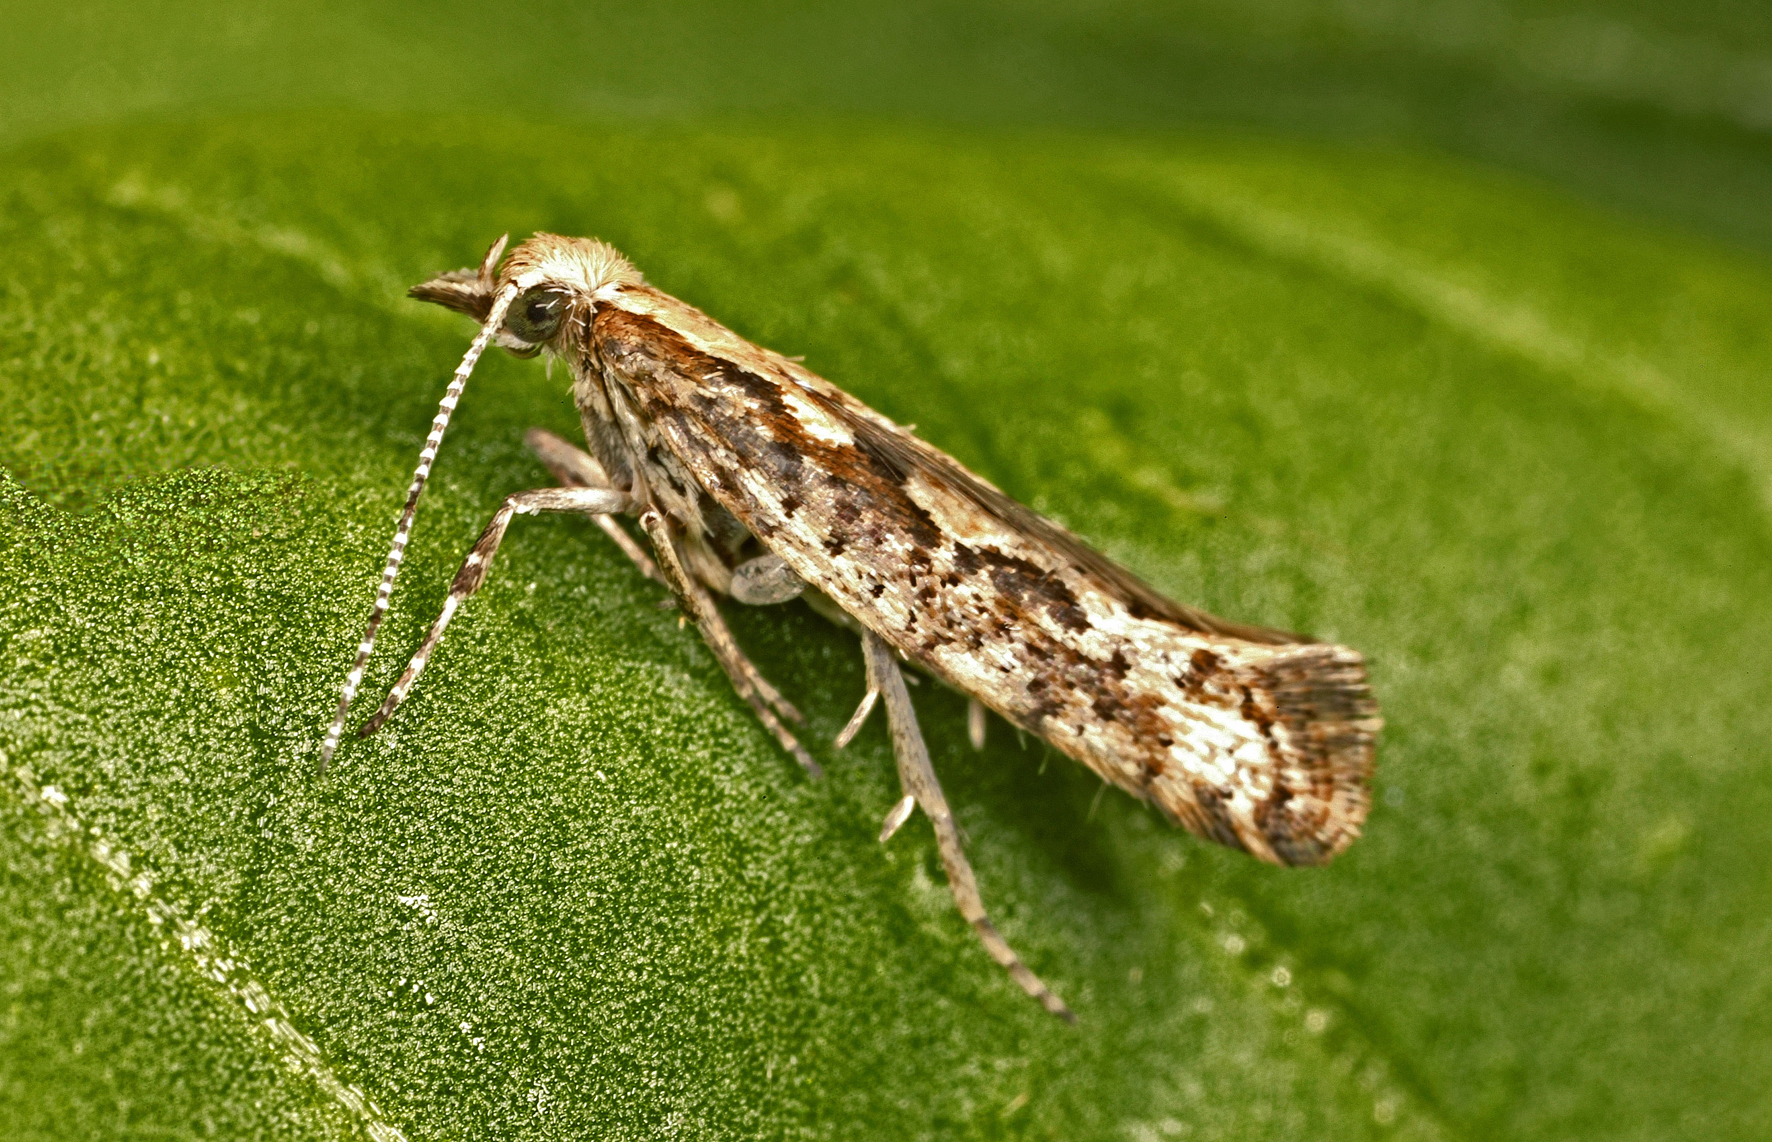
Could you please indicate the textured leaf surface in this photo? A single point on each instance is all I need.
(1514, 448)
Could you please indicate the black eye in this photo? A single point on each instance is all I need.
(536, 316)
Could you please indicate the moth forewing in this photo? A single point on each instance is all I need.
(758, 479)
(1257, 739)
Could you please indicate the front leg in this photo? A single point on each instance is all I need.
(474, 569)
(576, 468)
(697, 604)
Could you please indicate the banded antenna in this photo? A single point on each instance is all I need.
(427, 455)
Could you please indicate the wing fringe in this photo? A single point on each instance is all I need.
(1326, 724)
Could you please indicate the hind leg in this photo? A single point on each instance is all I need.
(917, 777)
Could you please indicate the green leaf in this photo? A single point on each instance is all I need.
(1514, 448)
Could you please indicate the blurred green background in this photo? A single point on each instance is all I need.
(1439, 329)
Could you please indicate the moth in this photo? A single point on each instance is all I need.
(754, 479)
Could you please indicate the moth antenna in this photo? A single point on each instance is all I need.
(427, 455)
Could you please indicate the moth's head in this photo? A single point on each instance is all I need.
(554, 282)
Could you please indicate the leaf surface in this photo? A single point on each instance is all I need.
(1509, 445)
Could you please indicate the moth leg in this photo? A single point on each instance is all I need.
(576, 468)
(770, 694)
(705, 567)
(699, 606)
(975, 722)
(917, 777)
(478, 564)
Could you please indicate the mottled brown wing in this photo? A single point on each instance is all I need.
(1249, 737)
(901, 453)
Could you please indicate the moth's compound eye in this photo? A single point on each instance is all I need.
(535, 317)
